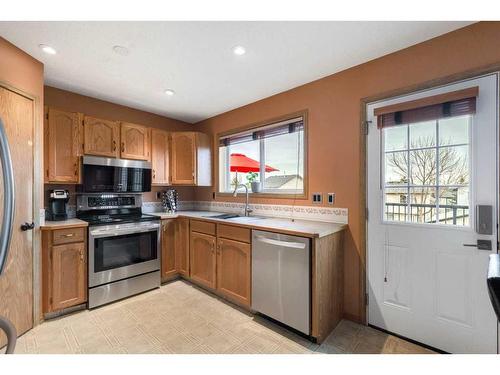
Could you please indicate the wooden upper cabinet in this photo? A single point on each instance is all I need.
(182, 245)
(134, 142)
(184, 158)
(68, 275)
(160, 157)
(234, 270)
(191, 159)
(203, 259)
(101, 137)
(62, 146)
(168, 253)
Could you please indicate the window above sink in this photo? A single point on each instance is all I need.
(269, 158)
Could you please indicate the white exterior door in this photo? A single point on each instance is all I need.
(424, 182)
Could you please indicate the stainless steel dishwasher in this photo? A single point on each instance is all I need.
(281, 278)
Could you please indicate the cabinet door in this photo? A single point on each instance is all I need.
(101, 137)
(183, 158)
(168, 256)
(182, 245)
(234, 270)
(69, 275)
(202, 259)
(159, 157)
(134, 141)
(62, 147)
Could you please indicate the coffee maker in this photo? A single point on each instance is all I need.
(58, 200)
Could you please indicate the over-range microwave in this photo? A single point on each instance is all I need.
(102, 175)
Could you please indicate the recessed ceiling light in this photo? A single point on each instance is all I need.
(239, 50)
(47, 49)
(169, 92)
(121, 50)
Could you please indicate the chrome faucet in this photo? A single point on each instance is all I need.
(248, 210)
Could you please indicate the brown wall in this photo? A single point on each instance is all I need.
(334, 123)
(73, 102)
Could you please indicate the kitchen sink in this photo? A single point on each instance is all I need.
(222, 216)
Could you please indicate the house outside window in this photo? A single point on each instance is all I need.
(268, 158)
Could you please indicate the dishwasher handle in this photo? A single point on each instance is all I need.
(270, 241)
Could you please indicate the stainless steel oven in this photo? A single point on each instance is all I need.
(117, 252)
(123, 246)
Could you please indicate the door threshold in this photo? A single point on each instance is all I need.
(409, 340)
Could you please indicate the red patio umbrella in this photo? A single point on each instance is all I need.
(242, 163)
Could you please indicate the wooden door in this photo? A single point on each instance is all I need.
(159, 157)
(69, 275)
(62, 145)
(234, 270)
(101, 137)
(182, 245)
(168, 256)
(183, 158)
(134, 141)
(202, 259)
(16, 283)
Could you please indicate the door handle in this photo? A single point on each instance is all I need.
(481, 245)
(27, 226)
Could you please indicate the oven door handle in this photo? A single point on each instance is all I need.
(122, 232)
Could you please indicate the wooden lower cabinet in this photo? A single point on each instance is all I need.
(64, 269)
(182, 246)
(234, 265)
(168, 249)
(202, 259)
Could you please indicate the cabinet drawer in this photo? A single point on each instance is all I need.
(203, 227)
(62, 236)
(233, 233)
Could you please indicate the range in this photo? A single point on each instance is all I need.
(123, 244)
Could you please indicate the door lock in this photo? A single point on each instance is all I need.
(481, 245)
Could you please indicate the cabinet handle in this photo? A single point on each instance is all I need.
(154, 174)
(114, 145)
(81, 255)
(68, 235)
(123, 146)
(76, 169)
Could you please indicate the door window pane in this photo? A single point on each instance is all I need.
(396, 168)
(454, 165)
(423, 134)
(423, 166)
(454, 130)
(423, 205)
(396, 204)
(427, 179)
(396, 138)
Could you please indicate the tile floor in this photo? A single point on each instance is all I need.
(180, 318)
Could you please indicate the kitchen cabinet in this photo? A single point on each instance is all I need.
(182, 245)
(160, 157)
(191, 159)
(101, 137)
(64, 268)
(168, 249)
(203, 259)
(62, 146)
(234, 270)
(135, 143)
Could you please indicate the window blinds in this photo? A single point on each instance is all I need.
(267, 131)
(456, 103)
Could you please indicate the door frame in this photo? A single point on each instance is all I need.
(37, 196)
(426, 85)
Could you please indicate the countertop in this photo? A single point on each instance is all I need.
(298, 227)
(63, 224)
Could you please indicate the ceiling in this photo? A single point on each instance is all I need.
(196, 60)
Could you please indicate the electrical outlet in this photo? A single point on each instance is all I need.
(317, 198)
(331, 198)
(158, 195)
